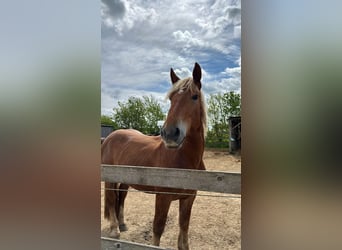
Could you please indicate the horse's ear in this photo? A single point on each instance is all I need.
(197, 75)
(174, 77)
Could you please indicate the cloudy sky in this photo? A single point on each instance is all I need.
(143, 39)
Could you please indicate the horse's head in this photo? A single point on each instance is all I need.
(187, 115)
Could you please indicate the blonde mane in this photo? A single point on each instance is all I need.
(187, 84)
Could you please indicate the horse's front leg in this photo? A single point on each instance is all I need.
(161, 210)
(185, 206)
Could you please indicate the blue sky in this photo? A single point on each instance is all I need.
(142, 39)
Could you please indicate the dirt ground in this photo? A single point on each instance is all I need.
(215, 221)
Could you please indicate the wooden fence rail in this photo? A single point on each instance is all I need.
(212, 181)
(114, 244)
(222, 182)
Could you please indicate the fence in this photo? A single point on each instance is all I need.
(212, 181)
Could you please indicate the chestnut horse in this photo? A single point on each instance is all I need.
(180, 145)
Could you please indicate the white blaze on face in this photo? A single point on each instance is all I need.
(183, 128)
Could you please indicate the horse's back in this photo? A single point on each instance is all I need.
(128, 147)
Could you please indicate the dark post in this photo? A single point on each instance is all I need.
(234, 134)
(105, 131)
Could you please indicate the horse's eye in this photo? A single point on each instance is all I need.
(194, 97)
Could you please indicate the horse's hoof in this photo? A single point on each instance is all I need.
(110, 233)
(113, 234)
(123, 228)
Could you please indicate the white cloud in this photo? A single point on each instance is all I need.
(125, 15)
(222, 85)
(113, 8)
(232, 72)
(237, 31)
(187, 39)
(110, 99)
(238, 61)
(183, 72)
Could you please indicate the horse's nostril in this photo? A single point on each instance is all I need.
(177, 132)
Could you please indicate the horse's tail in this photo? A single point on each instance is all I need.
(110, 192)
(111, 196)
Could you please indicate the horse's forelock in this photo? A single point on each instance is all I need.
(184, 84)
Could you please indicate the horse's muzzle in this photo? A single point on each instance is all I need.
(172, 136)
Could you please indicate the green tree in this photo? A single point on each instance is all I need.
(108, 120)
(220, 108)
(153, 114)
(232, 103)
(139, 113)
